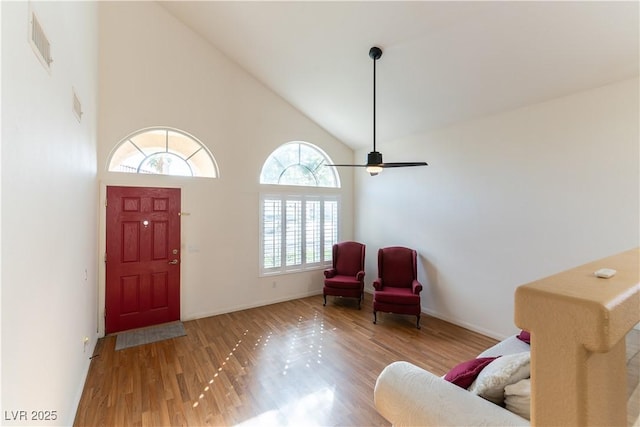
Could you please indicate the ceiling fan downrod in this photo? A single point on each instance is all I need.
(374, 158)
(375, 53)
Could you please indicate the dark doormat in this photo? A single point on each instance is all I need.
(148, 335)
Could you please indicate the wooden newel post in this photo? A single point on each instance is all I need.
(578, 324)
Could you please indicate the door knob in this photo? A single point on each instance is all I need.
(175, 261)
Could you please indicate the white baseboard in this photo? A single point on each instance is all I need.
(462, 324)
(262, 303)
(457, 322)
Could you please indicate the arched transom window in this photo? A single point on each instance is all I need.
(299, 163)
(163, 151)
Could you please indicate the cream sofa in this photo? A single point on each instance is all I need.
(407, 395)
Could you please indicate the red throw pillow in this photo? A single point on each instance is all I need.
(465, 373)
(525, 336)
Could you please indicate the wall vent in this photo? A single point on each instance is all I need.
(40, 42)
(77, 106)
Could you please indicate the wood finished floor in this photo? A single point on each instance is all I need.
(293, 363)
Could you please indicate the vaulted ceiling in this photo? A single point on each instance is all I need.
(443, 62)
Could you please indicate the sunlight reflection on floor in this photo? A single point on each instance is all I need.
(212, 380)
(314, 348)
(302, 351)
(306, 411)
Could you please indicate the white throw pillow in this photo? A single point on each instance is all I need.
(505, 370)
(517, 398)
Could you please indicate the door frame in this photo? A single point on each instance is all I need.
(146, 182)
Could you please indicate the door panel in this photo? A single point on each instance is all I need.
(129, 294)
(130, 241)
(160, 244)
(143, 242)
(159, 290)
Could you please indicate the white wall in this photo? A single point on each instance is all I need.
(154, 71)
(49, 223)
(508, 199)
(1, 406)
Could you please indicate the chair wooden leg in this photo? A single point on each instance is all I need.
(359, 302)
(325, 300)
(418, 322)
(375, 317)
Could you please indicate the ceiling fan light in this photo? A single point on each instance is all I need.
(374, 163)
(374, 169)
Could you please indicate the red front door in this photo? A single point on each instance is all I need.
(143, 257)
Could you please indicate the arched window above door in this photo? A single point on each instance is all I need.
(163, 151)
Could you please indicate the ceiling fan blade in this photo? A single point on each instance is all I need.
(352, 166)
(403, 164)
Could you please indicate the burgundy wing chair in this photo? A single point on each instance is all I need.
(397, 290)
(346, 278)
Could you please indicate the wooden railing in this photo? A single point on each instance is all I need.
(578, 324)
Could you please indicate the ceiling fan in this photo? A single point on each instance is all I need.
(374, 159)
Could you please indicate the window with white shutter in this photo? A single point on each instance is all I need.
(330, 227)
(297, 232)
(293, 232)
(313, 236)
(298, 228)
(271, 233)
